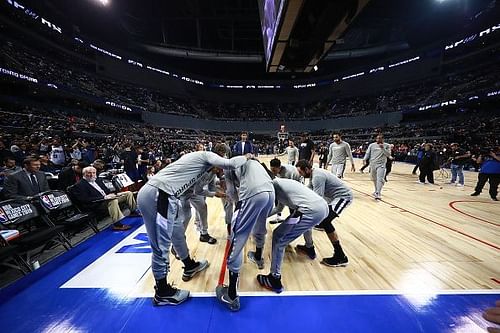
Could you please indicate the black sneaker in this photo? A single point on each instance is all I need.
(270, 282)
(318, 228)
(207, 239)
(190, 273)
(309, 251)
(494, 199)
(172, 296)
(475, 194)
(335, 261)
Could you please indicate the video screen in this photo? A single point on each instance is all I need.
(270, 14)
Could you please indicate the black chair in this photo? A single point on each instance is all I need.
(60, 210)
(35, 234)
(9, 254)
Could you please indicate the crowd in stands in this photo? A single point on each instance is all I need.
(78, 75)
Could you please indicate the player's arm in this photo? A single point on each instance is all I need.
(367, 154)
(224, 163)
(349, 154)
(313, 150)
(386, 150)
(330, 154)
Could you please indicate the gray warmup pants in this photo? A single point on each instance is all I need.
(286, 232)
(228, 210)
(377, 173)
(251, 215)
(163, 219)
(201, 217)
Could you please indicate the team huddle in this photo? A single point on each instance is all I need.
(250, 192)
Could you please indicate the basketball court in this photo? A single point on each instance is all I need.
(426, 258)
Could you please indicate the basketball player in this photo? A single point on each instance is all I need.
(306, 210)
(224, 150)
(252, 188)
(283, 171)
(292, 153)
(338, 196)
(205, 187)
(160, 201)
(338, 152)
(377, 153)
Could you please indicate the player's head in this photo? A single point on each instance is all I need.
(337, 138)
(220, 149)
(305, 136)
(304, 168)
(275, 166)
(290, 143)
(379, 138)
(428, 146)
(244, 136)
(200, 147)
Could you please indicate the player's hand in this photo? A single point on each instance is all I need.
(249, 156)
(110, 196)
(353, 168)
(220, 194)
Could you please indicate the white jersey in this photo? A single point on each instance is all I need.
(57, 155)
(292, 153)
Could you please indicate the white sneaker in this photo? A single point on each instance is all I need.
(460, 185)
(419, 182)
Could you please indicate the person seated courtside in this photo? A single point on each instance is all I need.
(27, 182)
(91, 189)
(70, 175)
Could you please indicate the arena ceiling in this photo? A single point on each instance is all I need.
(231, 28)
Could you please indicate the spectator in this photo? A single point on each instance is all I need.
(458, 158)
(490, 171)
(9, 166)
(427, 164)
(420, 153)
(129, 160)
(243, 146)
(46, 165)
(27, 182)
(306, 149)
(323, 156)
(143, 160)
(19, 153)
(70, 175)
(100, 166)
(91, 189)
(150, 172)
(57, 154)
(4, 152)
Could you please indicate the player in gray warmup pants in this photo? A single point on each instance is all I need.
(307, 209)
(160, 202)
(338, 152)
(255, 200)
(338, 196)
(283, 171)
(377, 153)
(205, 187)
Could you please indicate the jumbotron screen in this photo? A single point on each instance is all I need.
(270, 14)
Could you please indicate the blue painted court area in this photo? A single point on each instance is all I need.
(37, 304)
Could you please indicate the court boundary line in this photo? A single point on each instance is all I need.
(432, 221)
(319, 293)
(452, 205)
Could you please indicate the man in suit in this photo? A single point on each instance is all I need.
(27, 182)
(90, 189)
(243, 146)
(70, 175)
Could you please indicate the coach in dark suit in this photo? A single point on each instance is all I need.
(27, 182)
(243, 146)
(90, 189)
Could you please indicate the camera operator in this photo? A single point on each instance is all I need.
(489, 159)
